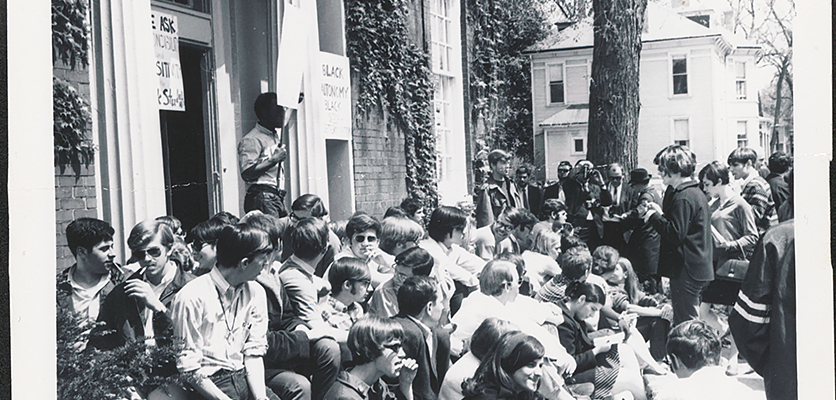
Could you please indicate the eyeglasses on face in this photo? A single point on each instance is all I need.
(197, 246)
(361, 238)
(395, 347)
(153, 252)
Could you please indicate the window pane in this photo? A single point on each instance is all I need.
(556, 92)
(680, 129)
(578, 145)
(680, 84)
(740, 88)
(681, 143)
(679, 66)
(740, 70)
(555, 73)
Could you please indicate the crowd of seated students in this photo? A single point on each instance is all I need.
(297, 308)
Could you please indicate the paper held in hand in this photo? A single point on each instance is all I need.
(610, 339)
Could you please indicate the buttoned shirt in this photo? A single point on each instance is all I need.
(300, 284)
(350, 387)
(256, 146)
(219, 324)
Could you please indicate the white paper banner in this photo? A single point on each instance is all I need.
(334, 96)
(167, 55)
(293, 52)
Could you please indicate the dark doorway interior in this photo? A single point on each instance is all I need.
(184, 144)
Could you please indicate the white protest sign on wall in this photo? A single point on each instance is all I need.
(167, 56)
(333, 96)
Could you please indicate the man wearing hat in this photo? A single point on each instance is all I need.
(642, 247)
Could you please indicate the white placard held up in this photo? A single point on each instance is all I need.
(167, 67)
(293, 52)
(334, 96)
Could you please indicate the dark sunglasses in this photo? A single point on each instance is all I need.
(395, 347)
(153, 252)
(361, 238)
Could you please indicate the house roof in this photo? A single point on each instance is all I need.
(576, 114)
(662, 24)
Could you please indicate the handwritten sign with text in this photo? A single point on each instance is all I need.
(334, 95)
(167, 56)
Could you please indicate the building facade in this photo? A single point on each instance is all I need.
(695, 89)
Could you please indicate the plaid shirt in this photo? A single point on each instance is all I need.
(338, 315)
(757, 193)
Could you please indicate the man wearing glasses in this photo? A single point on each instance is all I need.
(362, 234)
(555, 190)
(138, 308)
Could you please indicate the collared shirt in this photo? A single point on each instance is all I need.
(384, 301)
(339, 315)
(428, 333)
(350, 387)
(256, 146)
(66, 287)
(708, 383)
(87, 300)
(615, 191)
(219, 324)
(299, 282)
(148, 314)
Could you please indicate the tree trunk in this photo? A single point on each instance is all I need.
(614, 88)
(776, 118)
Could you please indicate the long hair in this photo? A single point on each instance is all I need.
(631, 281)
(513, 351)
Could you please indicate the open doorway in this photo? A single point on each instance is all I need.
(188, 144)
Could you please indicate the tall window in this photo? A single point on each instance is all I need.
(681, 134)
(440, 35)
(555, 72)
(680, 74)
(443, 122)
(740, 80)
(742, 136)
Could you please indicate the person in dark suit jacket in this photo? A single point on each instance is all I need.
(531, 194)
(643, 244)
(620, 193)
(420, 304)
(555, 190)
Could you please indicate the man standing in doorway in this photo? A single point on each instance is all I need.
(260, 157)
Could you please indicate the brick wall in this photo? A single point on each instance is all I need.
(379, 166)
(75, 191)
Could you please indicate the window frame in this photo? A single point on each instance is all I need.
(562, 66)
(737, 80)
(671, 85)
(744, 137)
(673, 138)
(573, 137)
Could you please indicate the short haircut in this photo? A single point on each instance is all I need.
(417, 259)
(347, 269)
(495, 275)
(411, 205)
(444, 220)
(172, 222)
(395, 211)
(543, 240)
(716, 173)
(575, 262)
(497, 155)
(415, 293)
(551, 206)
(676, 160)
(87, 232)
(569, 241)
(145, 231)
(695, 343)
(309, 202)
(338, 227)
(206, 232)
(263, 103)
(592, 292)
(226, 217)
(359, 223)
(396, 231)
(237, 242)
(604, 258)
(564, 164)
(523, 169)
(488, 334)
(742, 154)
(779, 162)
(520, 217)
(613, 166)
(266, 222)
(368, 335)
(308, 238)
(514, 258)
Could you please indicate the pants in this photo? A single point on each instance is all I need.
(322, 366)
(233, 384)
(266, 199)
(685, 297)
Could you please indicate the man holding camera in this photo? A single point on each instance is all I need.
(585, 202)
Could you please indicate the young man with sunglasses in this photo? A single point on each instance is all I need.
(362, 233)
(83, 287)
(222, 319)
(138, 309)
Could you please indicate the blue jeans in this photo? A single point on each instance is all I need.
(233, 384)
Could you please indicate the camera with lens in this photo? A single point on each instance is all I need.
(592, 203)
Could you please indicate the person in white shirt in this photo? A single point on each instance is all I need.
(221, 318)
(694, 349)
